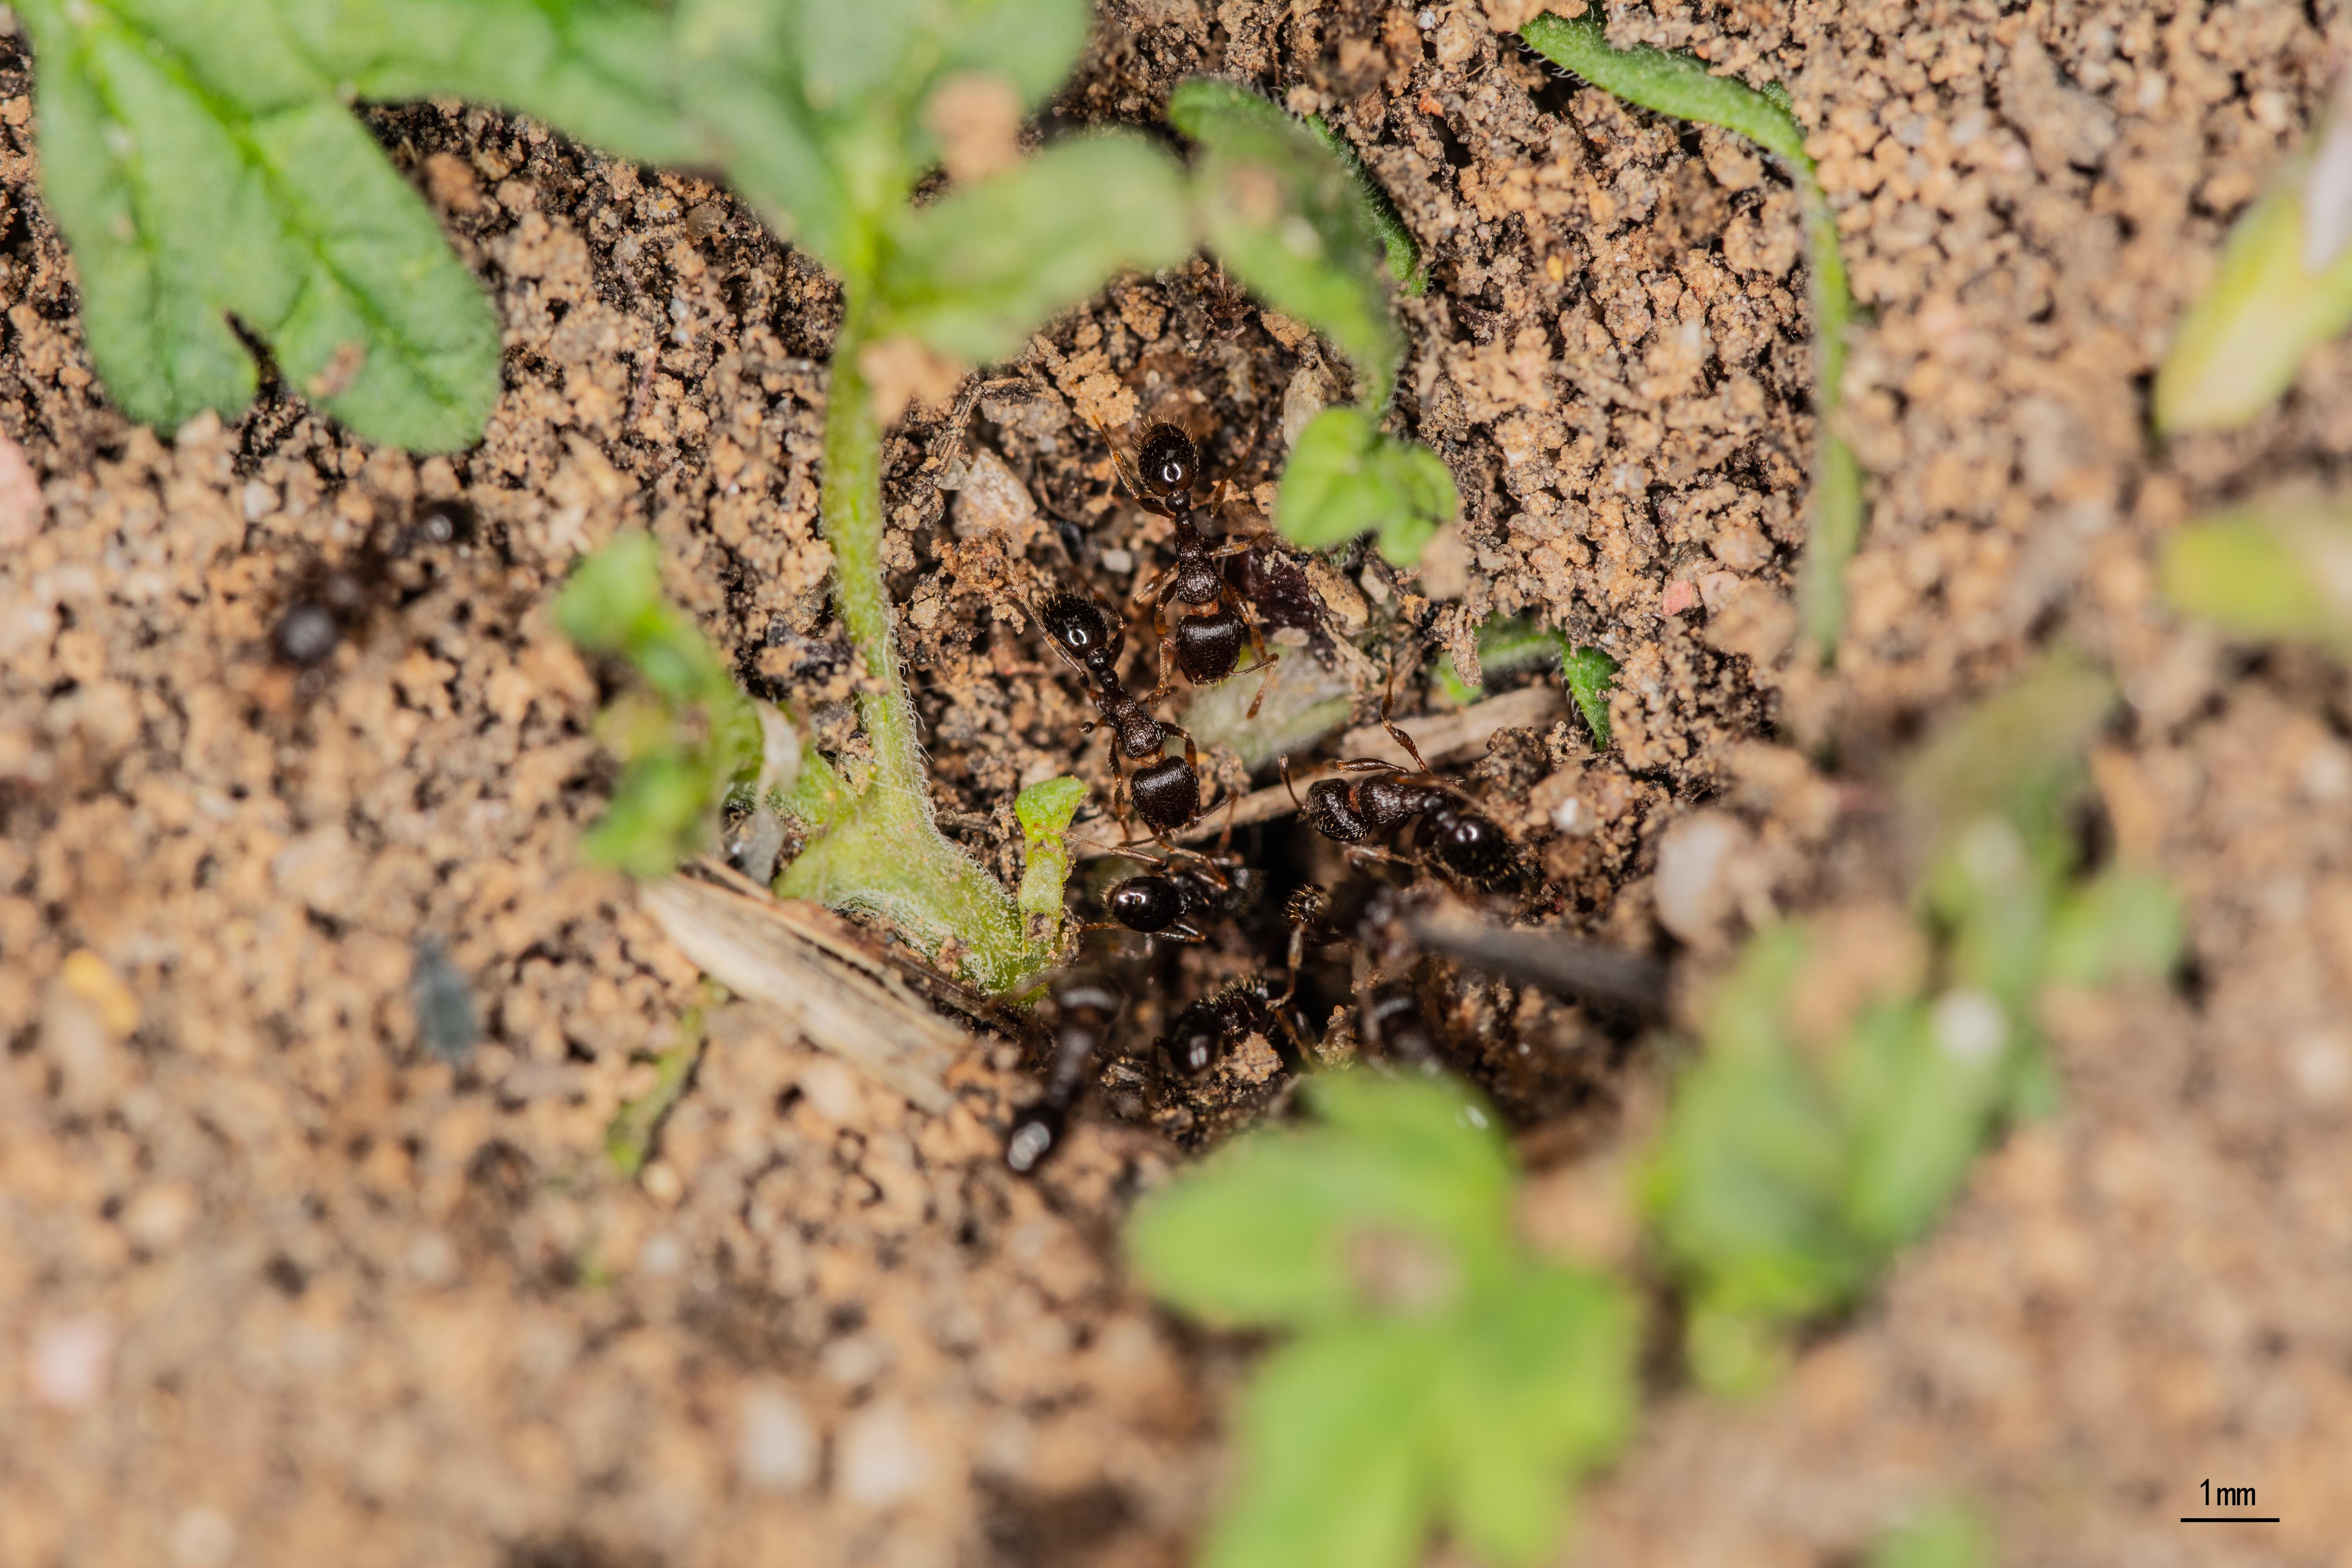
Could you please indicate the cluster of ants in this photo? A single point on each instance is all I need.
(1382, 811)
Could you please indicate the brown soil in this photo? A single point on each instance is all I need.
(278, 1284)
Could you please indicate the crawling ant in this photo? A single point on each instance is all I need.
(1086, 1004)
(1167, 899)
(1206, 1029)
(333, 603)
(1468, 844)
(1206, 644)
(1165, 790)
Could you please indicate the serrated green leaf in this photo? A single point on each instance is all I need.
(1345, 478)
(196, 182)
(1283, 214)
(975, 272)
(601, 70)
(1333, 1477)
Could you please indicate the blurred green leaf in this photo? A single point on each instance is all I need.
(2018, 753)
(2280, 568)
(1919, 1088)
(749, 101)
(1333, 1477)
(601, 70)
(1285, 214)
(1031, 43)
(975, 272)
(1346, 479)
(200, 168)
(1264, 1230)
(2273, 301)
(2124, 922)
(1949, 1532)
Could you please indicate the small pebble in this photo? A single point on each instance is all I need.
(779, 1451)
(446, 1021)
(880, 1460)
(1970, 1026)
(1426, 21)
(203, 1538)
(306, 634)
(70, 1363)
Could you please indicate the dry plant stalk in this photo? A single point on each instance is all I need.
(821, 973)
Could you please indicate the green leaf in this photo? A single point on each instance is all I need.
(1044, 811)
(1286, 215)
(1667, 83)
(2125, 922)
(1539, 1387)
(1919, 1102)
(2240, 344)
(1332, 1478)
(200, 168)
(1031, 43)
(597, 70)
(1265, 1231)
(1949, 1532)
(975, 272)
(1404, 251)
(1588, 673)
(2018, 753)
(1345, 478)
(2275, 569)
(748, 100)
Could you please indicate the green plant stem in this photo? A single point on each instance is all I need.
(880, 851)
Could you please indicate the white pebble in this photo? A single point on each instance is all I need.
(881, 1461)
(201, 1537)
(1426, 21)
(779, 1451)
(70, 1363)
(1119, 562)
(1689, 886)
(2322, 1067)
(1969, 1027)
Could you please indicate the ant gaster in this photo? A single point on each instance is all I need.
(1165, 790)
(1166, 899)
(1207, 644)
(1084, 1004)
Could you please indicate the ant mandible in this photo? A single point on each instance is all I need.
(1165, 790)
(1207, 644)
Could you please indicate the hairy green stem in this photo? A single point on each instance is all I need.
(880, 851)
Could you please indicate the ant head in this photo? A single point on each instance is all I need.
(1081, 630)
(1471, 847)
(1147, 904)
(1332, 811)
(1167, 463)
(1167, 793)
(1308, 906)
(1194, 1042)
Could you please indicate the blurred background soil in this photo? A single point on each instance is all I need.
(279, 1283)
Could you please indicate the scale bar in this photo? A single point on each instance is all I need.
(2230, 1518)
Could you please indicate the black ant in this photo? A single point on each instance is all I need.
(1165, 790)
(1207, 644)
(1468, 844)
(331, 603)
(1206, 1029)
(1084, 1004)
(1165, 900)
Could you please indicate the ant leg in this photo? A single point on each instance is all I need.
(1163, 685)
(1370, 766)
(1363, 854)
(1396, 732)
(1293, 788)
(1226, 838)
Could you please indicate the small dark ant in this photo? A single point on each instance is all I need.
(1165, 900)
(1394, 1024)
(1207, 644)
(1470, 845)
(1086, 1004)
(333, 602)
(1165, 790)
(1206, 1029)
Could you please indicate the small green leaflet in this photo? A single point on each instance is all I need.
(202, 168)
(1345, 478)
